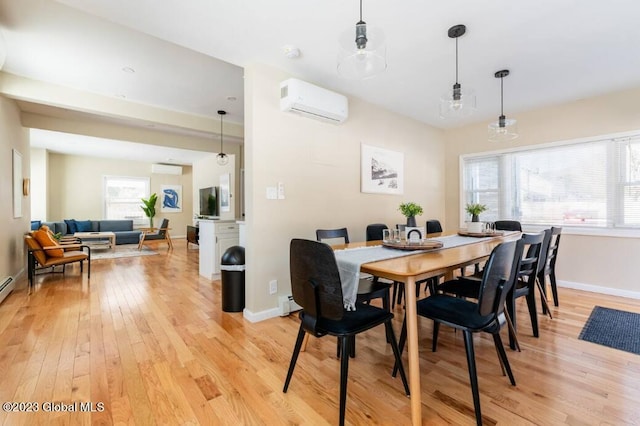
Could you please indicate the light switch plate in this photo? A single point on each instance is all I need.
(272, 193)
(280, 191)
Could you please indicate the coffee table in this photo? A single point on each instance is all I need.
(97, 240)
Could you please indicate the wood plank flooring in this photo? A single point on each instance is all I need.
(146, 342)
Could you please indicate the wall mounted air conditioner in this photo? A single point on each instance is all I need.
(166, 169)
(312, 101)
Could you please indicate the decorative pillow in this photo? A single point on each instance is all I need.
(44, 238)
(83, 225)
(72, 227)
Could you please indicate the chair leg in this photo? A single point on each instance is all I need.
(503, 355)
(513, 336)
(294, 358)
(396, 354)
(401, 342)
(533, 314)
(473, 374)
(510, 314)
(31, 266)
(352, 351)
(543, 298)
(436, 329)
(394, 294)
(344, 372)
(554, 286)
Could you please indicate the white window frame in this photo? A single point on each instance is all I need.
(137, 221)
(614, 183)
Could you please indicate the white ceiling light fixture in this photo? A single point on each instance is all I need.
(504, 129)
(222, 158)
(457, 102)
(369, 55)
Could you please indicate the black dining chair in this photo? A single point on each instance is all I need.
(549, 269)
(508, 225)
(368, 288)
(524, 285)
(374, 231)
(487, 315)
(433, 226)
(316, 286)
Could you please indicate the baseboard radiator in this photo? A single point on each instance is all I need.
(6, 287)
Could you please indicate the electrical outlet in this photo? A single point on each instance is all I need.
(273, 286)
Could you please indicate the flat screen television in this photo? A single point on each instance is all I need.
(209, 204)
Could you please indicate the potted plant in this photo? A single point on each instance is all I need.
(474, 209)
(149, 207)
(410, 210)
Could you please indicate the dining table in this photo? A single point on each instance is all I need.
(410, 268)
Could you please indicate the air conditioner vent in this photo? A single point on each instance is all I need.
(311, 101)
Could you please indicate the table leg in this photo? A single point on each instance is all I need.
(414, 362)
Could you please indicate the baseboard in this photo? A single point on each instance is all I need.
(599, 289)
(275, 312)
(260, 316)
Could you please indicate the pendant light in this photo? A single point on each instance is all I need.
(222, 158)
(457, 102)
(367, 57)
(504, 129)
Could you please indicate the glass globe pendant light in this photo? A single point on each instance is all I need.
(504, 129)
(367, 58)
(222, 158)
(457, 102)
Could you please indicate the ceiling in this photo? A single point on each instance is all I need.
(188, 56)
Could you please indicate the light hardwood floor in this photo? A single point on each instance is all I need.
(148, 339)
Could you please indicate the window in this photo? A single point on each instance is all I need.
(592, 184)
(122, 198)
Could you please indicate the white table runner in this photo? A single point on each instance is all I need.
(350, 260)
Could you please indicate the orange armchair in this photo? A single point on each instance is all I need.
(40, 257)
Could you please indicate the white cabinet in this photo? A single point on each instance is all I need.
(215, 238)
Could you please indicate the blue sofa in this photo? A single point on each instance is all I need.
(125, 234)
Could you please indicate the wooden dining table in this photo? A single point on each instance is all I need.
(417, 267)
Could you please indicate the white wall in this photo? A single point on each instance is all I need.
(76, 188)
(206, 173)
(601, 263)
(39, 183)
(12, 136)
(319, 164)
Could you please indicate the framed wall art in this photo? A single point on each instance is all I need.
(382, 170)
(171, 198)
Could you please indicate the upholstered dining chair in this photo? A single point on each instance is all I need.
(154, 235)
(487, 315)
(316, 286)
